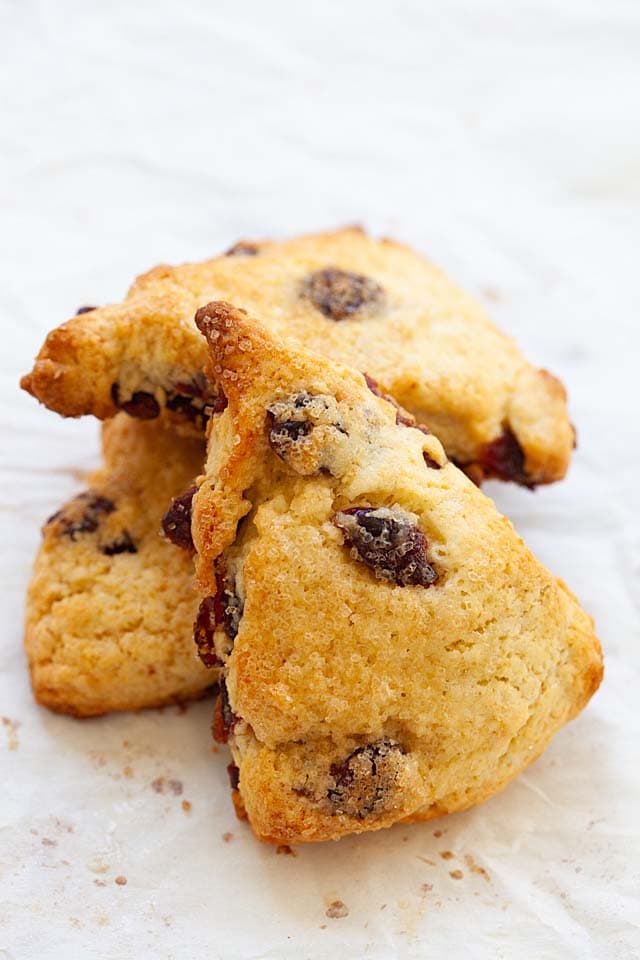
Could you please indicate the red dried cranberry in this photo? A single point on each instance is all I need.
(82, 310)
(122, 544)
(234, 776)
(243, 249)
(365, 781)
(176, 523)
(339, 294)
(142, 405)
(224, 719)
(195, 402)
(203, 631)
(389, 542)
(504, 458)
(82, 514)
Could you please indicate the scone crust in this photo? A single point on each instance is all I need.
(426, 342)
(454, 687)
(114, 630)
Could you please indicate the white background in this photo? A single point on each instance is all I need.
(503, 140)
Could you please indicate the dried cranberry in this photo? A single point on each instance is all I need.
(82, 514)
(234, 776)
(291, 422)
(243, 249)
(203, 631)
(339, 294)
(122, 544)
(142, 405)
(365, 781)
(224, 719)
(504, 458)
(389, 542)
(228, 607)
(82, 310)
(195, 402)
(176, 523)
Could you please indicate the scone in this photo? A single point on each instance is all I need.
(111, 604)
(374, 305)
(390, 648)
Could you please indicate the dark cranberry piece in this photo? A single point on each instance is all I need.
(195, 402)
(203, 631)
(234, 776)
(365, 781)
(504, 458)
(243, 249)
(288, 422)
(176, 523)
(430, 462)
(82, 310)
(339, 295)
(122, 544)
(82, 514)
(224, 719)
(142, 405)
(228, 607)
(389, 542)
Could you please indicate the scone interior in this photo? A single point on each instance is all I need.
(375, 305)
(390, 648)
(110, 606)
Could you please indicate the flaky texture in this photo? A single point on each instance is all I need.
(110, 607)
(391, 649)
(375, 305)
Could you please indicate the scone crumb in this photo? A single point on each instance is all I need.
(337, 909)
(285, 849)
(227, 837)
(121, 881)
(456, 874)
(447, 855)
(186, 806)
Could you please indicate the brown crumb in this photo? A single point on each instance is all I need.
(437, 833)
(176, 787)
(426, 887)
(46, 842)
(227, 837)
(11, 727)
(431, 863)
(100, 883)
(186, 806)
(476, 868)
(286, 849)
(456, 874)
(162, 785)
(158, 784)
(447, 855)
(383, 907)
(337, 910)
(323, 926)
(121, 881)
(128, 772)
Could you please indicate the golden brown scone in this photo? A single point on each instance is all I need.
(111, 605)
(375, 305)
(390, 648)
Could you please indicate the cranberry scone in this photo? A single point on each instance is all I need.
(375, 305)
(111, 605)
(390, 649)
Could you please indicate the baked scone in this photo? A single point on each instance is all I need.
(375, 305)
(111, 605)
(391, 650)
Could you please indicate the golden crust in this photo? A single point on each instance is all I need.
(113, 630)
(402, 321)
(443, 693)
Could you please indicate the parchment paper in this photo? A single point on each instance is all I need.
(502, 140)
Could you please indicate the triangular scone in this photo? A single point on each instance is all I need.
(391, 648)
(110, 607)
(375, 305)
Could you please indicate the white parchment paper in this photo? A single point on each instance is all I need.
(502, 139)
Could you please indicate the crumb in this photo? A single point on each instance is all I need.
(176, 787)
(46, 842)
(182, 707)
(103, 921)
(476, 868)
(100, 883)
(404, 839)
(121, 881)
(383, 907)
(447, 855)
(286, 849)
(323, 926)
(337, 910)
(426, 887)
(456, 874)
(128, 772)
(227, 837)
(437, 833)
(11, 727)
(214, 748)
(74, 922)
(157, 785)
(431, 863)
(186, 806)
